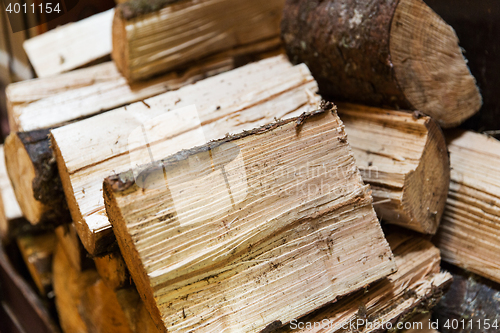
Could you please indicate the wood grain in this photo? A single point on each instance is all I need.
(416, 287)
(250, 230)
(470, 228)
(404, 159)
(174, 33)
(92, 149)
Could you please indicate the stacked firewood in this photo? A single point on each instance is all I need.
(232, 167)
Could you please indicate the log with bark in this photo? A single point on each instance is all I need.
(398, 53)
(471, 302)
(470, 228)
(415, 288)
(157, 36)
(404, 159)
(72, 45)
(52, 102)
(93, 149)
(37, 252)
(289, 227)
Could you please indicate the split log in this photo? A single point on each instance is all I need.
(416, 287)
(12, 223)
(477, 24)
(72, 45)
(72, 247)
(93, 149)
(33, 173)
(37, 252)
(58, 100)
(158, 36)
(405, 56)
(122, 311)
(113, 271)
(471, 302)
(405, 160)
(289, 215)
(69, 287)
(424, 324)
(470, 228)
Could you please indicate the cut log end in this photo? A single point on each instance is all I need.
(120, 50)
(429, 65)
(22, 173)
(405, 161)
(426, 189)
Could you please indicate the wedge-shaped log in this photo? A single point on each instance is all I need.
(51, 102)
(216, 237)
(404, 159)
(416, 287)
(72, 45)
(470, 228)
(154, 37)
(405, 55)
(95, 148)
(473, 298)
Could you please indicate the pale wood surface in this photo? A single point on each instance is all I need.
(54, 101)
(184, 31)
(249, 230)
(72, 45)
(37, 251)
(92, 149)
(469, 236)
(417, 286)
(72, 247)
(404, 159)
(9, 208)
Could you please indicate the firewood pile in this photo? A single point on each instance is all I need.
(254, 166)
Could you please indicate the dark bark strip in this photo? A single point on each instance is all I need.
(345, 44)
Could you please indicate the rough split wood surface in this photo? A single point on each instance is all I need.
(404, 159)
(95, 148)
(51, 102)
(398, 53)
(250, 231)
(416, 287)
(72, 45)
(158, 36)
(469, 236)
